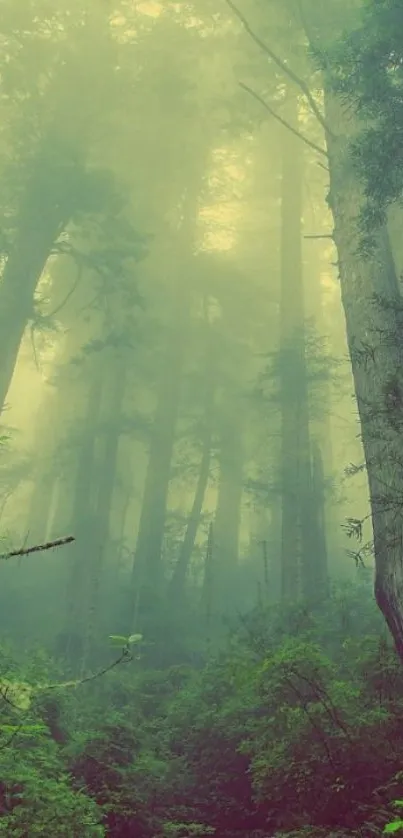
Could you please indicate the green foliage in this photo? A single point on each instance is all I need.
(289, 737)
(397, 824)
(37, 796)
(366, 68)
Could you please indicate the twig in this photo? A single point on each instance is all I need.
(320, 236)
(70, 293)
(125, 657)
(25, 551)
(283, 121)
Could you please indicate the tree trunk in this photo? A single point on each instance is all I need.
(147, 567)
(228, 511)
(82, 526)
(208, 588)
(40, 223)
(179, 575)
(319, 504)
(373, 312)
(147, 571)
(298, 524)
(105, 484)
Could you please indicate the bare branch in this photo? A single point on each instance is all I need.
(320, 236)
(69, 294)
(38, 548)
(283, 121)
(283, 66)
(125, 657)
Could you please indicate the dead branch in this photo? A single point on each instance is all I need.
(284, 122)
(38, 548)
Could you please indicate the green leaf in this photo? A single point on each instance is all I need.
(118, 638)
(394, 826)
(135, 638)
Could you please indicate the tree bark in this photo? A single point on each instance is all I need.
(39, 224)
(373, 312)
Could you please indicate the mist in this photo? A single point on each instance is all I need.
(198, 268)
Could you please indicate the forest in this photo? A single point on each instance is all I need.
(201, 418)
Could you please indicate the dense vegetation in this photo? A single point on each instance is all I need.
(294, 729)
(201, 396)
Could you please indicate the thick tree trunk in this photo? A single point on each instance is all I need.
(38, 226)
(373, 312)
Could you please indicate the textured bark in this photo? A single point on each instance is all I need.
(373, 312)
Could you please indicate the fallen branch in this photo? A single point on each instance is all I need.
(25, 551)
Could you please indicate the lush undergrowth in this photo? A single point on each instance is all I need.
(294, 729)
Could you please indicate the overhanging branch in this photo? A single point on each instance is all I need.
(38, 548)
(284, 122)
(319, 236)
(282, 66)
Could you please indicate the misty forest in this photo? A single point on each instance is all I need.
(201, 418)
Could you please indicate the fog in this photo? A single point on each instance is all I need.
(180, 282)
(185, 432)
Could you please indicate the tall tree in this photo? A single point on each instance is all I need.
(299, 520)
(49, 178)
(369, 286)
(148, 574)
(178, 579)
